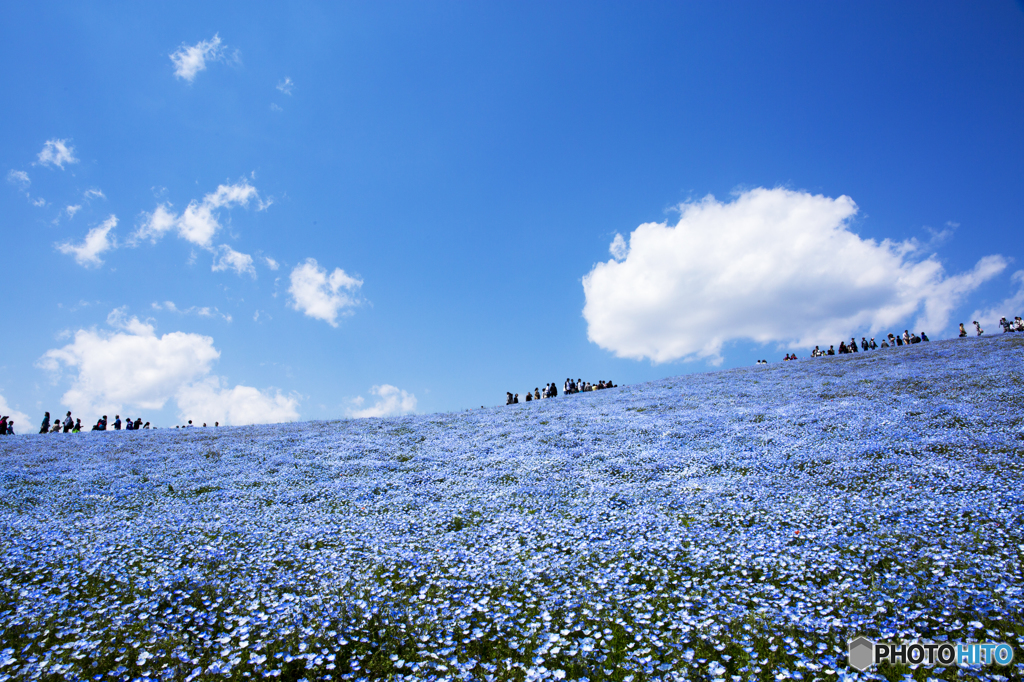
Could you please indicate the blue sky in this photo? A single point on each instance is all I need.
(470, 182)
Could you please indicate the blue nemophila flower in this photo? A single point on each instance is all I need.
(729, 525)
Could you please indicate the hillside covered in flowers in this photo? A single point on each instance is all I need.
(732, 525)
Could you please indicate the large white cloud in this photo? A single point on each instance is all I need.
(391, 402)
(56, 153)
(189, 60)
(1011, 307)
(131, 367)
(773, 265)
(96, 242)
(320, 295)
(207, 402)
(22, 425)
(199, 222)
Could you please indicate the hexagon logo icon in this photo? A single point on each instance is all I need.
(861, 652)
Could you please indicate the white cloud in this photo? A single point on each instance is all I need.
(96, 242)
(19, 178)
(275, 107)
(133, 367)
(1009, 308)
(57, 153)
(229, 259)
(271, 263)
(618, 247)
(771, 266)
(391, 402)
(204, 311)
(72, 210)
(286, 86)
(21, 420)
(155, 225)
(206, 401)
(40, 202)
(199, 222)
(93, 194)
(321, 296)
(189, 60)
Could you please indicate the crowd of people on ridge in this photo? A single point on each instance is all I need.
(551, 390)
(71, 425)
(890, 341)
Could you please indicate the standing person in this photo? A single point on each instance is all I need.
(45, 428)
(963, 332)
(55, 428)
(515, 399)
(138, 423)
(978, 327)
(117, 422)
(3, 425)
(853, 345)
(68, 423)
(10, 428)
(78, 426)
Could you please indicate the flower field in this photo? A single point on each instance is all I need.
(732, 525)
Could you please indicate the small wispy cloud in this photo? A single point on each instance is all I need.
(321, 295)
(87, 254)
(200, 311)
(229, 259)
(274, 107)
(271, 263)
(199, 222)
(90, 194)
(18, 178)
(56, 153)
(72, 210)
(286, 86)
(189, 60)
